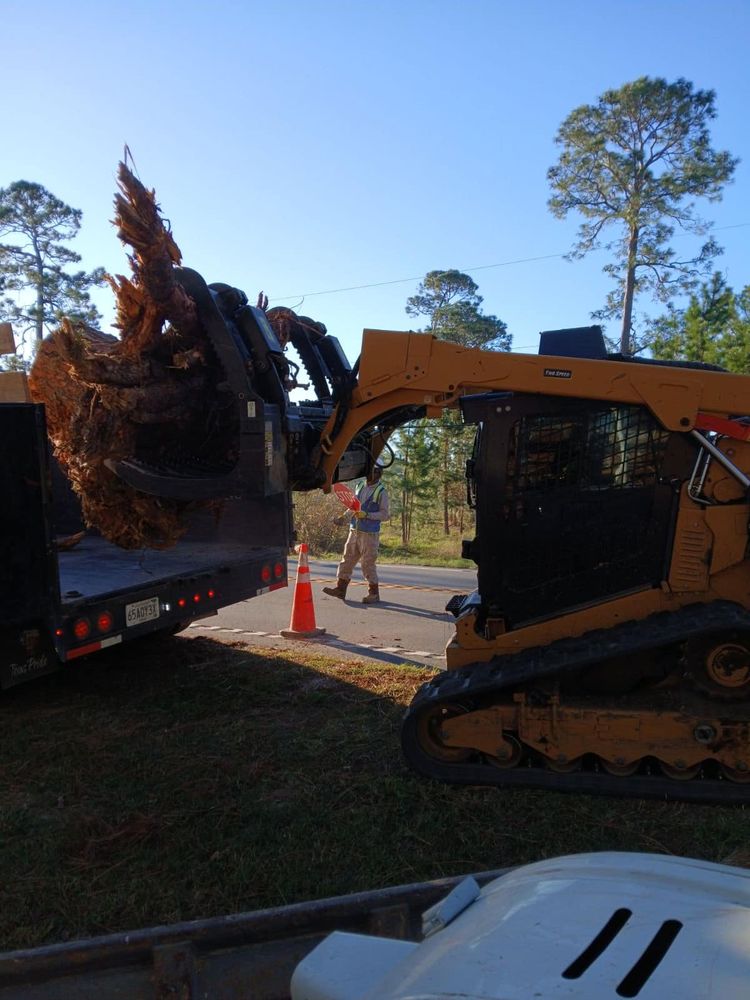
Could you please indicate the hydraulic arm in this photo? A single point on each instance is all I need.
(405, 374)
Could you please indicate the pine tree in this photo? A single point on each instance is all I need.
(634, 162)
(413, 481)
(714, 328)
(37, 287)
(450, 301)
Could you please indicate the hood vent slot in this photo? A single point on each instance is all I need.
(641, 972)
(644, 967)
(601, 942)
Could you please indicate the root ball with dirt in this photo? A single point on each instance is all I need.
(156, 383)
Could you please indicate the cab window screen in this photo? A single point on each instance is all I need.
(612, 448)
(584, 512)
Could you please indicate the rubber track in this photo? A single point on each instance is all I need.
(563, 657)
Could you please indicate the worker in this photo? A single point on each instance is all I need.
(364, 537)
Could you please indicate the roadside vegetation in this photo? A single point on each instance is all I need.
(427, 547)
(197, 778)
(428, 544)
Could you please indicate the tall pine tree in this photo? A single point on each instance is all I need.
(633, 164)
(38, 288)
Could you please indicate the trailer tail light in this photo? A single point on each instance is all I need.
(59, 633)
(81, 628)
(265, 574)
(105, 621)
(196, 598)
(278, 570)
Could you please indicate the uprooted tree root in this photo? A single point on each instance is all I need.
(104, 395)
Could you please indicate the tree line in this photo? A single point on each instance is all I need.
(632, 166)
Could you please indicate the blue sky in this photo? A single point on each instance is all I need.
(306, 146)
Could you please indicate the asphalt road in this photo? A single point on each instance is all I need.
(409, 625)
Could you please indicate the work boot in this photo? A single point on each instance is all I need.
(339, 590)
(373, 596)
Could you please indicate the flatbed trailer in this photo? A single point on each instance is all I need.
(58, 603)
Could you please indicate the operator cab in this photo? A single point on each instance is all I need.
(575, 499)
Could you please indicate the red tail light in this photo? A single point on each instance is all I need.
(181, 602)
(278, 570)
(82, 628)
(265, 574)
(104, 622)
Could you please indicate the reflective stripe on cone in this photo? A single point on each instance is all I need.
(302, 625)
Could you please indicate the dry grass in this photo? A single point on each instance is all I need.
(188, 778)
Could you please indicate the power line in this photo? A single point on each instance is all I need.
(403, 281)
(464, 270)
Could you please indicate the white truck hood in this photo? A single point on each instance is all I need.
(591, 926)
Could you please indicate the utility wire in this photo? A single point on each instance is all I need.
(464, 270)
(419, 277)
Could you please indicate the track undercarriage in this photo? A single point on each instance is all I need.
(652, 708)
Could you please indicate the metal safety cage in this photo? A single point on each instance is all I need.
(575, 501)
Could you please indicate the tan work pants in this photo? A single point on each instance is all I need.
(361, 547)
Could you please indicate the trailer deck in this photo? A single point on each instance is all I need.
(97, 569)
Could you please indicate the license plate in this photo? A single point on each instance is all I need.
(142, 611)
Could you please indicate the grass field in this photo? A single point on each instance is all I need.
(189, 778)
(427, 548)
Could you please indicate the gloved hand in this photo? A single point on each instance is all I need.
(360, 515)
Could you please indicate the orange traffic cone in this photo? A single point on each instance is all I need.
(302, 625)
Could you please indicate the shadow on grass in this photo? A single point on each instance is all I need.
(185, 776)
(189, 777)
